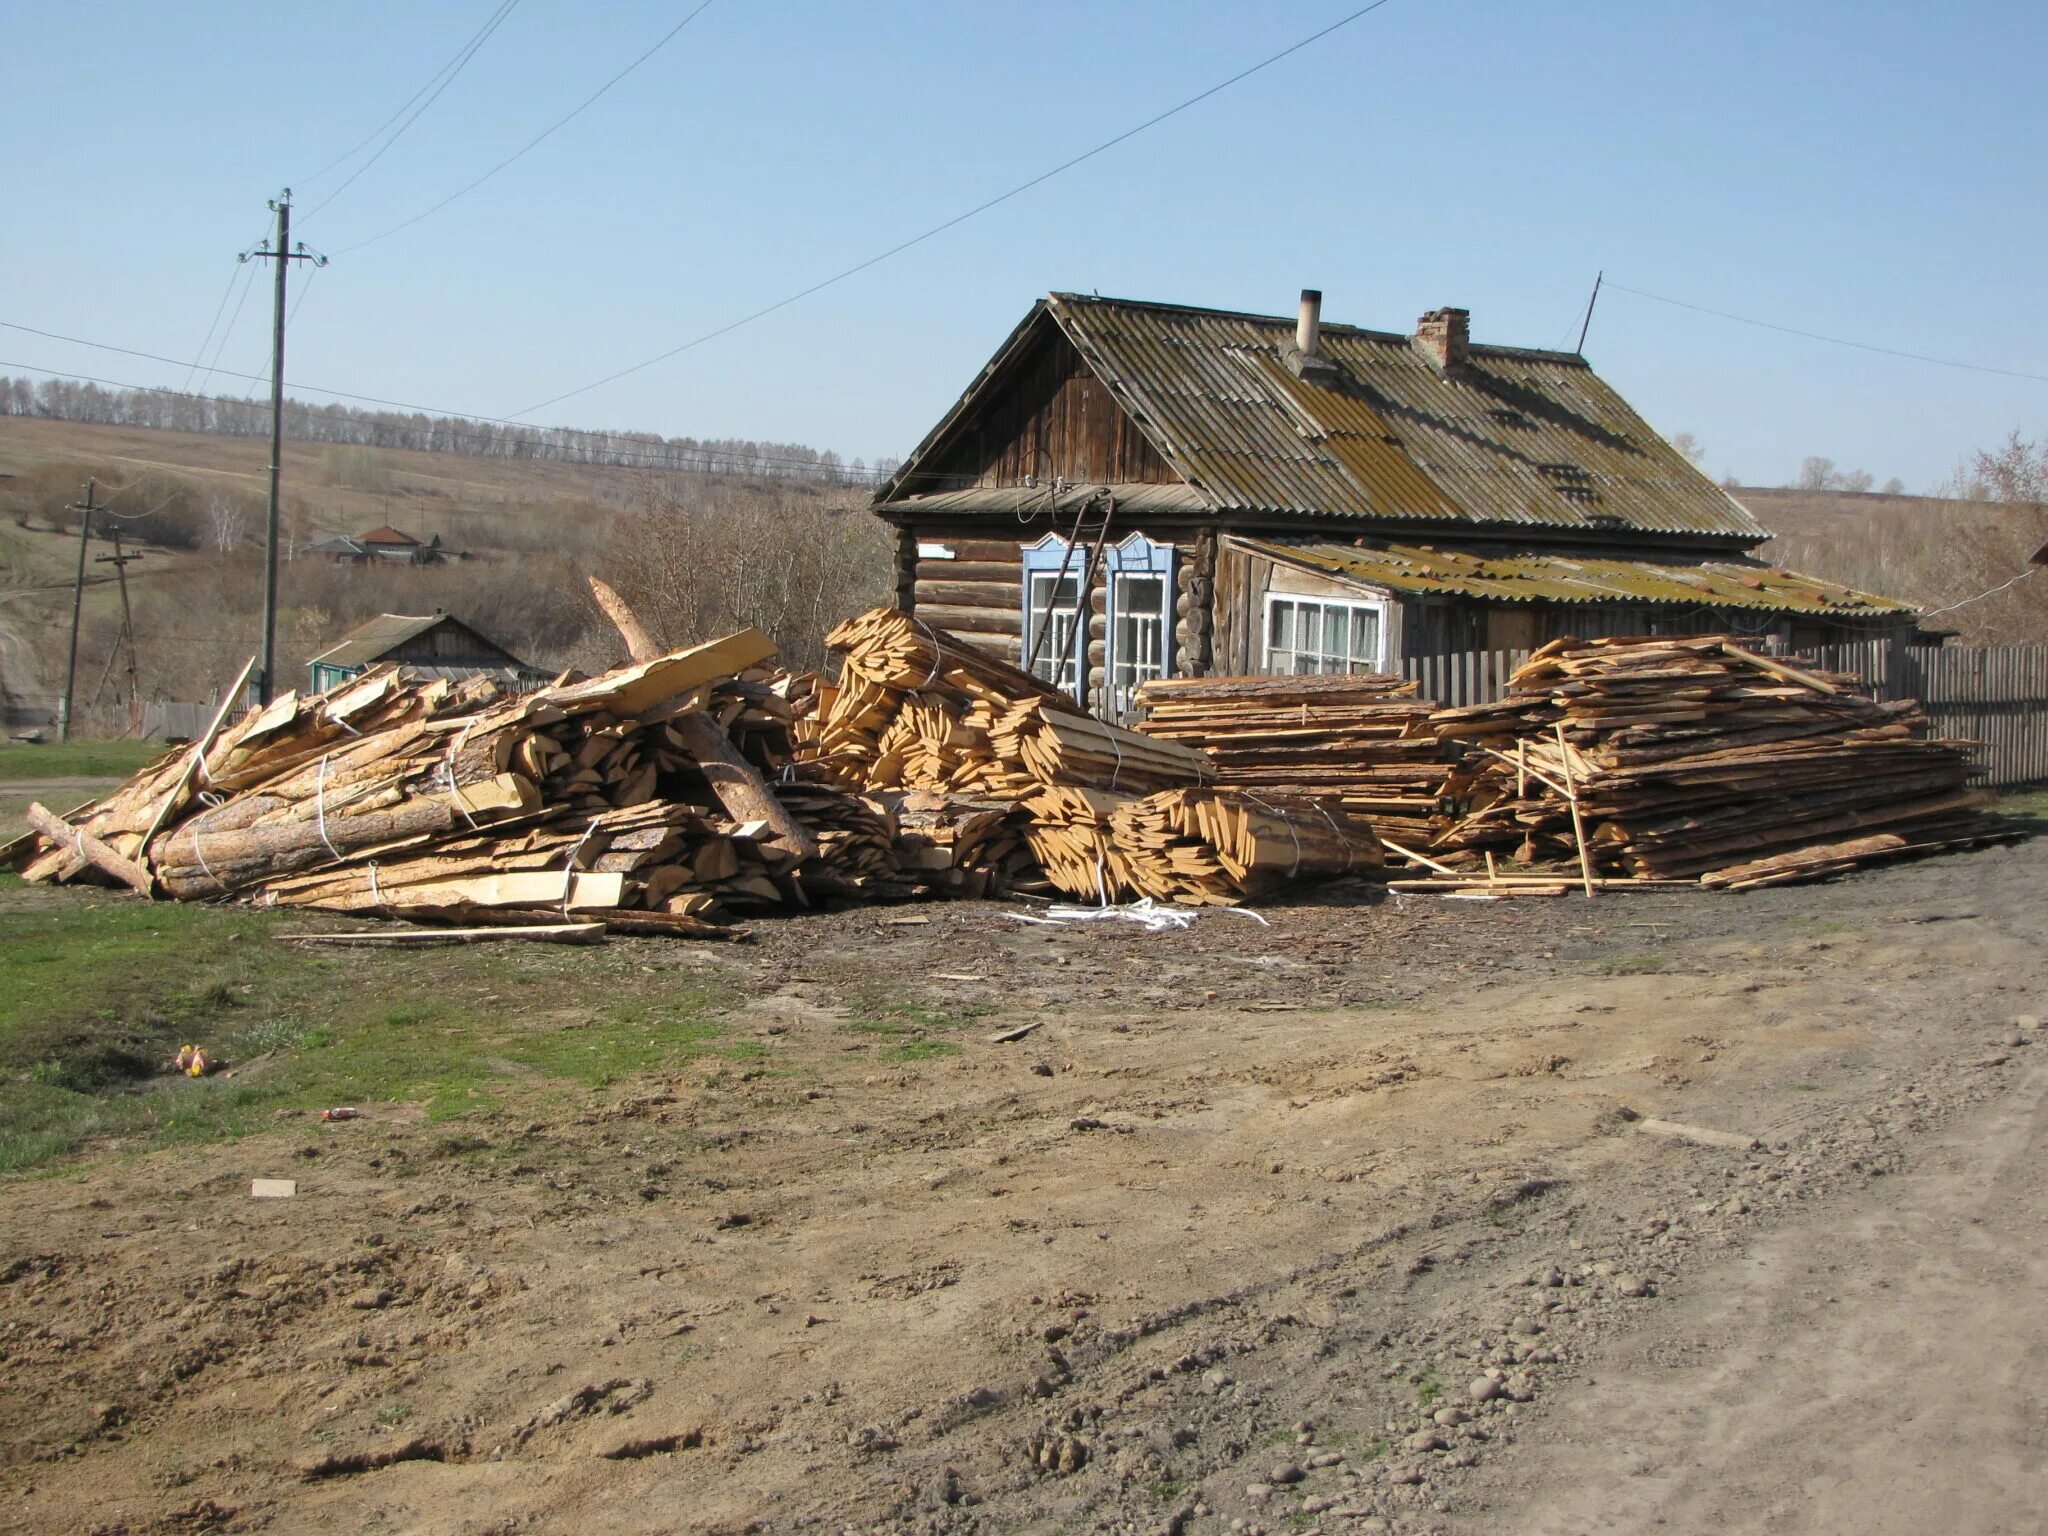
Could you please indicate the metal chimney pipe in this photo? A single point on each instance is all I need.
(1308, 330)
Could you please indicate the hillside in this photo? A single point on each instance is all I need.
(527, 531)
(1924, 549)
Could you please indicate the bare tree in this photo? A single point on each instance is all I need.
(1689, 445)
(229, 520)
(1815, 473)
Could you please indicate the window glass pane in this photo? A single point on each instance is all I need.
(1280, 631)
(1365, 638)
(1141, 594)
(1337, 632)
(1309, 636)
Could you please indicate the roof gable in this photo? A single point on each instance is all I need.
(1511, 438)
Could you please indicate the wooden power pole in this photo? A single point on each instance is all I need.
(284, 255)
(85, 510)
(120, 562)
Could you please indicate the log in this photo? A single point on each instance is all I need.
(639, 644)
(91, 849)
(739, 787)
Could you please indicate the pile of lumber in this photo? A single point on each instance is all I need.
(917, 708)
(657, 797)
(1693, 759)
(955, 846)
(1364, 739)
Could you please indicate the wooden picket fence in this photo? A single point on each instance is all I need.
(1994, 694)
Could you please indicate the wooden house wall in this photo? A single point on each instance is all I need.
(449, 645)
(1055, 418)
(979, 591)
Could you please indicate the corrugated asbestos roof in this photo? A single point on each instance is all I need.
(368, 641)
(1552, 578)
(1510, 438)
(982, 500)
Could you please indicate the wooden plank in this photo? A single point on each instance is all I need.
(90, 849)
(423, 938)
(198, 755)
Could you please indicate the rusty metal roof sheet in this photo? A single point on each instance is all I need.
(1510, 438)
(1553, 578)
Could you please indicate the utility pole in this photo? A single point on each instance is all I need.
(120, 563)
(284, 255)
(86, 509)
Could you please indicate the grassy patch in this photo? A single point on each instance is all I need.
(77, 760)
(1428, 1388)
(98, 991)
(920, 1050)
(1631, 965)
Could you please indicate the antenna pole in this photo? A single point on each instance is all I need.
(1587, 324)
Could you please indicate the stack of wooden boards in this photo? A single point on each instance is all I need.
(647, 799)
(1108, 813)
(1693, 759)
(1363, 738)
(672, 793)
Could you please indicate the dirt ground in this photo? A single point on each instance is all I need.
(1371, 1219)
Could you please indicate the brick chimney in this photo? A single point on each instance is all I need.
(1446, 335)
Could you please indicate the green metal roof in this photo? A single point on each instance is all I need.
(1510, 438)
(1550, 578)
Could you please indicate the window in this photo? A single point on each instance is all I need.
(1130, 593)
(1137, 651)
(1313, 634)
(1050, 601)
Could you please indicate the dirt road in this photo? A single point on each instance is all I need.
(1363, 1221)
(1877, 1368)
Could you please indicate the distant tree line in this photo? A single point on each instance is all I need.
(230, 416)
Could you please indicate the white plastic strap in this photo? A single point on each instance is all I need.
(376, 896)
(448, 772)
(320, 808)
(569, 869)
(1349, 853)
(204, 867)
(1117, 772)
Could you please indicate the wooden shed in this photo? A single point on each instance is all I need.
(435, 644)
(1236, 493)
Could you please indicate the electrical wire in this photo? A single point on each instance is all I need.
(534, 142)
(214, 324)
(304, 288)
(961, 218)
(230, 331)
(2003, 586)
(1837, 341)
(496, 21)
(455, 62)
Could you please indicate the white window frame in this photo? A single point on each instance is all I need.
(1379, 607)
(1135, 556)
(1059, 659)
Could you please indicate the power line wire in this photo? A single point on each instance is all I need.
(214, 324)
(496, 21)
(454, 62)
(534, 142)
(979, 208)
(1837, 341)
(2003, 586)
(230, 331)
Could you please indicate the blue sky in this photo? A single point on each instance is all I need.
(1868, 170)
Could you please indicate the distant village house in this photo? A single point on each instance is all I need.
(1235, 493)
(430, 645)
(386, 546)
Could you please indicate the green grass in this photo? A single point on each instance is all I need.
(77, 760)
(1428, 1388)
(98, 991)
(907, 1027)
